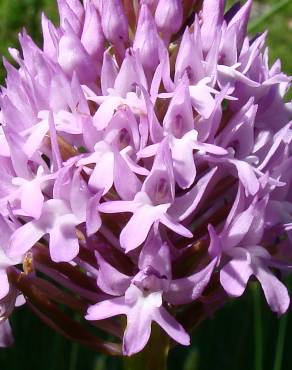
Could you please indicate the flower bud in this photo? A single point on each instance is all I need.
(147, 39)
(114, 21)
(92, 37)
(72, 12)
(169, 16)
(73, 57)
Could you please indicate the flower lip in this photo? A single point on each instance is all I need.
(124, 138)
(149, 280)
(177, 126)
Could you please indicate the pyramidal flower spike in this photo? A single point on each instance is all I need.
(145, 155)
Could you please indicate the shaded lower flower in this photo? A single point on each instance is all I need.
(142, 297)
(254, 260)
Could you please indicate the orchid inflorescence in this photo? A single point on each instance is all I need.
(145, 155)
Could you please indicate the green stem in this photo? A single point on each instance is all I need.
(258, 330)
(73, 356)
(154, 355)
(280, 343)
(74, 349)
(275, 9)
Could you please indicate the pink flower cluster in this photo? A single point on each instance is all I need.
(145, 156)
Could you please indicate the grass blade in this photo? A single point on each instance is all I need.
(280, 342)
(258, 330)
(270, 13)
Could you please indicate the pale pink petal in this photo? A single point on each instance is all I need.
(171, 326)
(102, 176)
(236, 273)
(93, 220)
(275, 291)
(79, 195)
(32, 198)
(247, 176)
(64, 244)
(117, 206)
(138, 227)
(24, 238)
(186, 204)
(4, 284)
(108, 308)
(138, 329)
(109, 279)
(174, 226)
(186, 290)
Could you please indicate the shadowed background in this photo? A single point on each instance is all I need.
(245, 335)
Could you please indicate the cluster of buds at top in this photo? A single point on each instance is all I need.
(145, 157)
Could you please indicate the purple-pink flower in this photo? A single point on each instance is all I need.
(145, 155)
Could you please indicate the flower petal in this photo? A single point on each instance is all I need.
(186, 204)
(174, 226)
(24, 238)
(4, 284)
(275, 291)
(64, 244)
(108, 308)
(235, 274)
(136, 230)
(102, 176)
(171, 326)
(186, 290)
(93, 220)
(32, 199)
(138, 329)
(156, 254)
(109, 279)
(6, 337)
